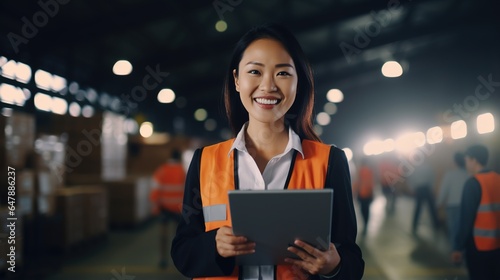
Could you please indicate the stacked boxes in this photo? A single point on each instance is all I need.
(16, 138)
(95, 146)
(114, 147)
(50, 171)
(82, 214)
(128, 200)
(17, 132)
(95, 207)
(82, 145)
(70, 210)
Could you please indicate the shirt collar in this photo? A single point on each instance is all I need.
(293, 142)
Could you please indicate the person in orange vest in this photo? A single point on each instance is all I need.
(269, 95)
(479, 228)
(363, 187)
(166, 197)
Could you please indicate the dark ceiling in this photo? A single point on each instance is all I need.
(444, 45)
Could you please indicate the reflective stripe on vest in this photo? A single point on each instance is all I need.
(217, 178)
(487, 223)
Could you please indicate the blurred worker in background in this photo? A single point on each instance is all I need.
(166, 197)
(421, 182)
(388, 172)
(363, 188)
(450, 194)
(479, 224)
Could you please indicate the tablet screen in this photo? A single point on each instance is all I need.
(274, 219)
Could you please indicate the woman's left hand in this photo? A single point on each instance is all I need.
(314, 260)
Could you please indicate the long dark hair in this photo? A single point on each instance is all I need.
(299, 116)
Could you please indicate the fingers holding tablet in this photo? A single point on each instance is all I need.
(314, 260)
(229, 245)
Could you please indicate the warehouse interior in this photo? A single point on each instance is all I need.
(80, 140)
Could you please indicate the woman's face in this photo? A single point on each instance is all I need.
(266, 81)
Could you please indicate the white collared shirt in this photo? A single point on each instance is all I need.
(273, 178)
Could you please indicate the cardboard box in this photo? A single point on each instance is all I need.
(95, 221)
(128, 199)
(70, 207)
(17, 138)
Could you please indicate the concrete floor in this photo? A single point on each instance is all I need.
(390, 251)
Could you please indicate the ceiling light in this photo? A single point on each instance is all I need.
(59, 106)
(23, 73)
(74, 109)
(43, 102)
(43, 79)
(323, 118)
(104, 100)
(166, 95)
(392, 69)
(9, 69)
(200, 114)
(409, 141)
(74, 87)
(485, 123)
(434, 135)
(221, 26)
(13, 95)
(330, 108)
(146, 129)
(87, 111)
(122, 68)
(458, 129)
(91, 95)
(335, 95)
(348, 153)
(388, 145)
(373, 147)
(58, 83)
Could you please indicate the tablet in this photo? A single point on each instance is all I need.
(274, 219)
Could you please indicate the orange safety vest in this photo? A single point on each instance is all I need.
(170, 187)
(487, 223)
(217, 178)
(365, 182)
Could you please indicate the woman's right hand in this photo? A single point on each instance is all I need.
(229, 245)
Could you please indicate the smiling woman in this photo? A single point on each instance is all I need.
(269, 95)
(267, 81)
